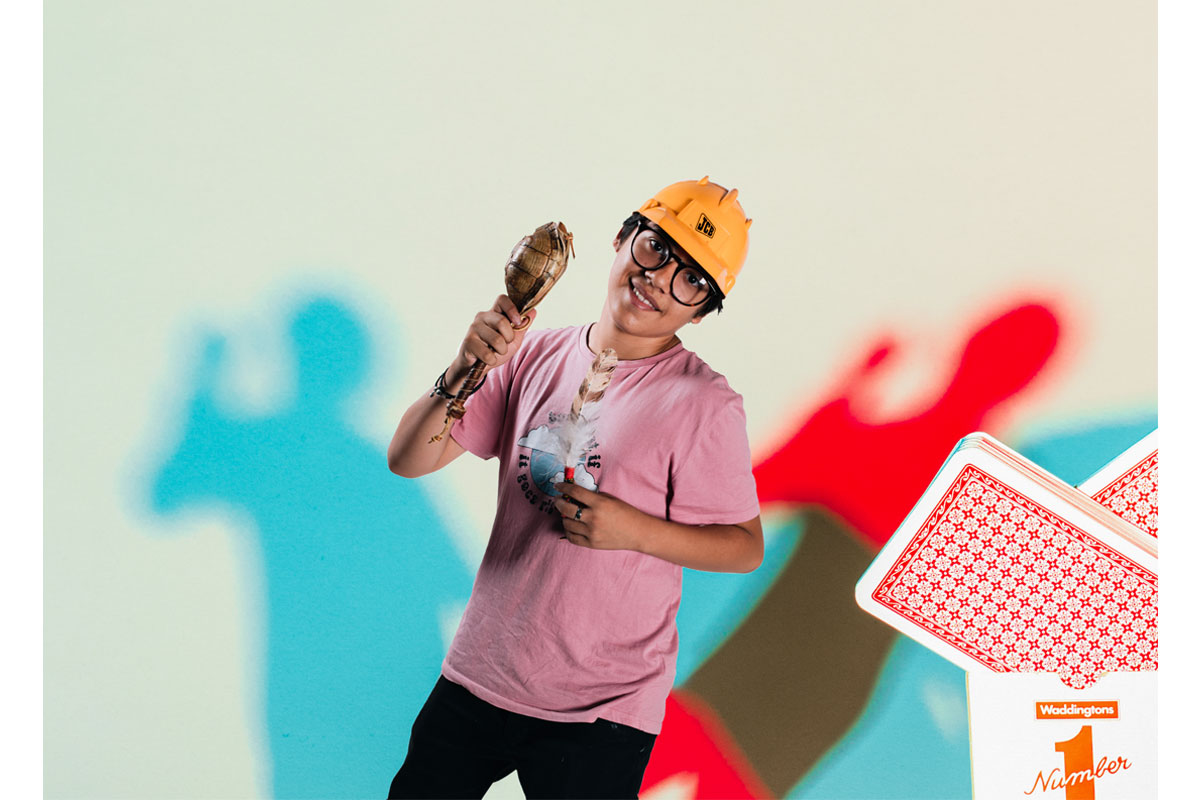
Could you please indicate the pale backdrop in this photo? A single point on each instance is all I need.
(910, 167)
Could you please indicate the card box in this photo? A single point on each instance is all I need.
(1032, 737)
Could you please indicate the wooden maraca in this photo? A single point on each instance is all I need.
(533, 267)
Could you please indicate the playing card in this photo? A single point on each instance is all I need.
(1128, 485)
(1002, 566)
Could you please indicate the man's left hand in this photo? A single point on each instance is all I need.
(598, 520)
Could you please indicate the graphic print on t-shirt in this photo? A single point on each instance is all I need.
(540, 468)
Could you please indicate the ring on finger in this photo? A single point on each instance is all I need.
(579, 513)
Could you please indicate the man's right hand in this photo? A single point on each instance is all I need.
(492, 338)
(417, 447)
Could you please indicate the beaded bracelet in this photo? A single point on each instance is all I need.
(439, 387)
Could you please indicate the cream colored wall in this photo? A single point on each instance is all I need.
(909, 166)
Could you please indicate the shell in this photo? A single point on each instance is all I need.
(536, 263)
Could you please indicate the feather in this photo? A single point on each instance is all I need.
(576, 432)
(598, 376)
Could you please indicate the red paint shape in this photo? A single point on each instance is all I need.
(871, 474)
(694, 742)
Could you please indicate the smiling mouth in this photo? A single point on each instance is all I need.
(641, 298)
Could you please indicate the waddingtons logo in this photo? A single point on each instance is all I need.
(1091, 709)
(705, 226)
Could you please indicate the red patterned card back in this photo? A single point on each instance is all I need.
(1014, 586)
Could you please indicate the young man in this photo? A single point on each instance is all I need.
(564, 657)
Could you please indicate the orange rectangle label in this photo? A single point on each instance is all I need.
(1076, 709)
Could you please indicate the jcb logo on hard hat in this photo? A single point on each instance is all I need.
(706, 227)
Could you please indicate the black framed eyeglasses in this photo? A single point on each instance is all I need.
(652, 249)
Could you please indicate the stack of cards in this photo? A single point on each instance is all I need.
(1003, 566)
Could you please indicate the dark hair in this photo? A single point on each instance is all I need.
(714, 301)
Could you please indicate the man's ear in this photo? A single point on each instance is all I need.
(617, 241)
(696, 320)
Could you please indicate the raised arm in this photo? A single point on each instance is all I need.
(491, 338)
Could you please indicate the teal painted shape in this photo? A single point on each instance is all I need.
(357, 568)
(1075, 454)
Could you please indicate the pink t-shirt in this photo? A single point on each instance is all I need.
(566, 633)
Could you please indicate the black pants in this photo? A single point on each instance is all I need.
(461, 745)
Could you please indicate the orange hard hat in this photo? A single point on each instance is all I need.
(708, 222)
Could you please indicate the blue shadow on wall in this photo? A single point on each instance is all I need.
(357, 568)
